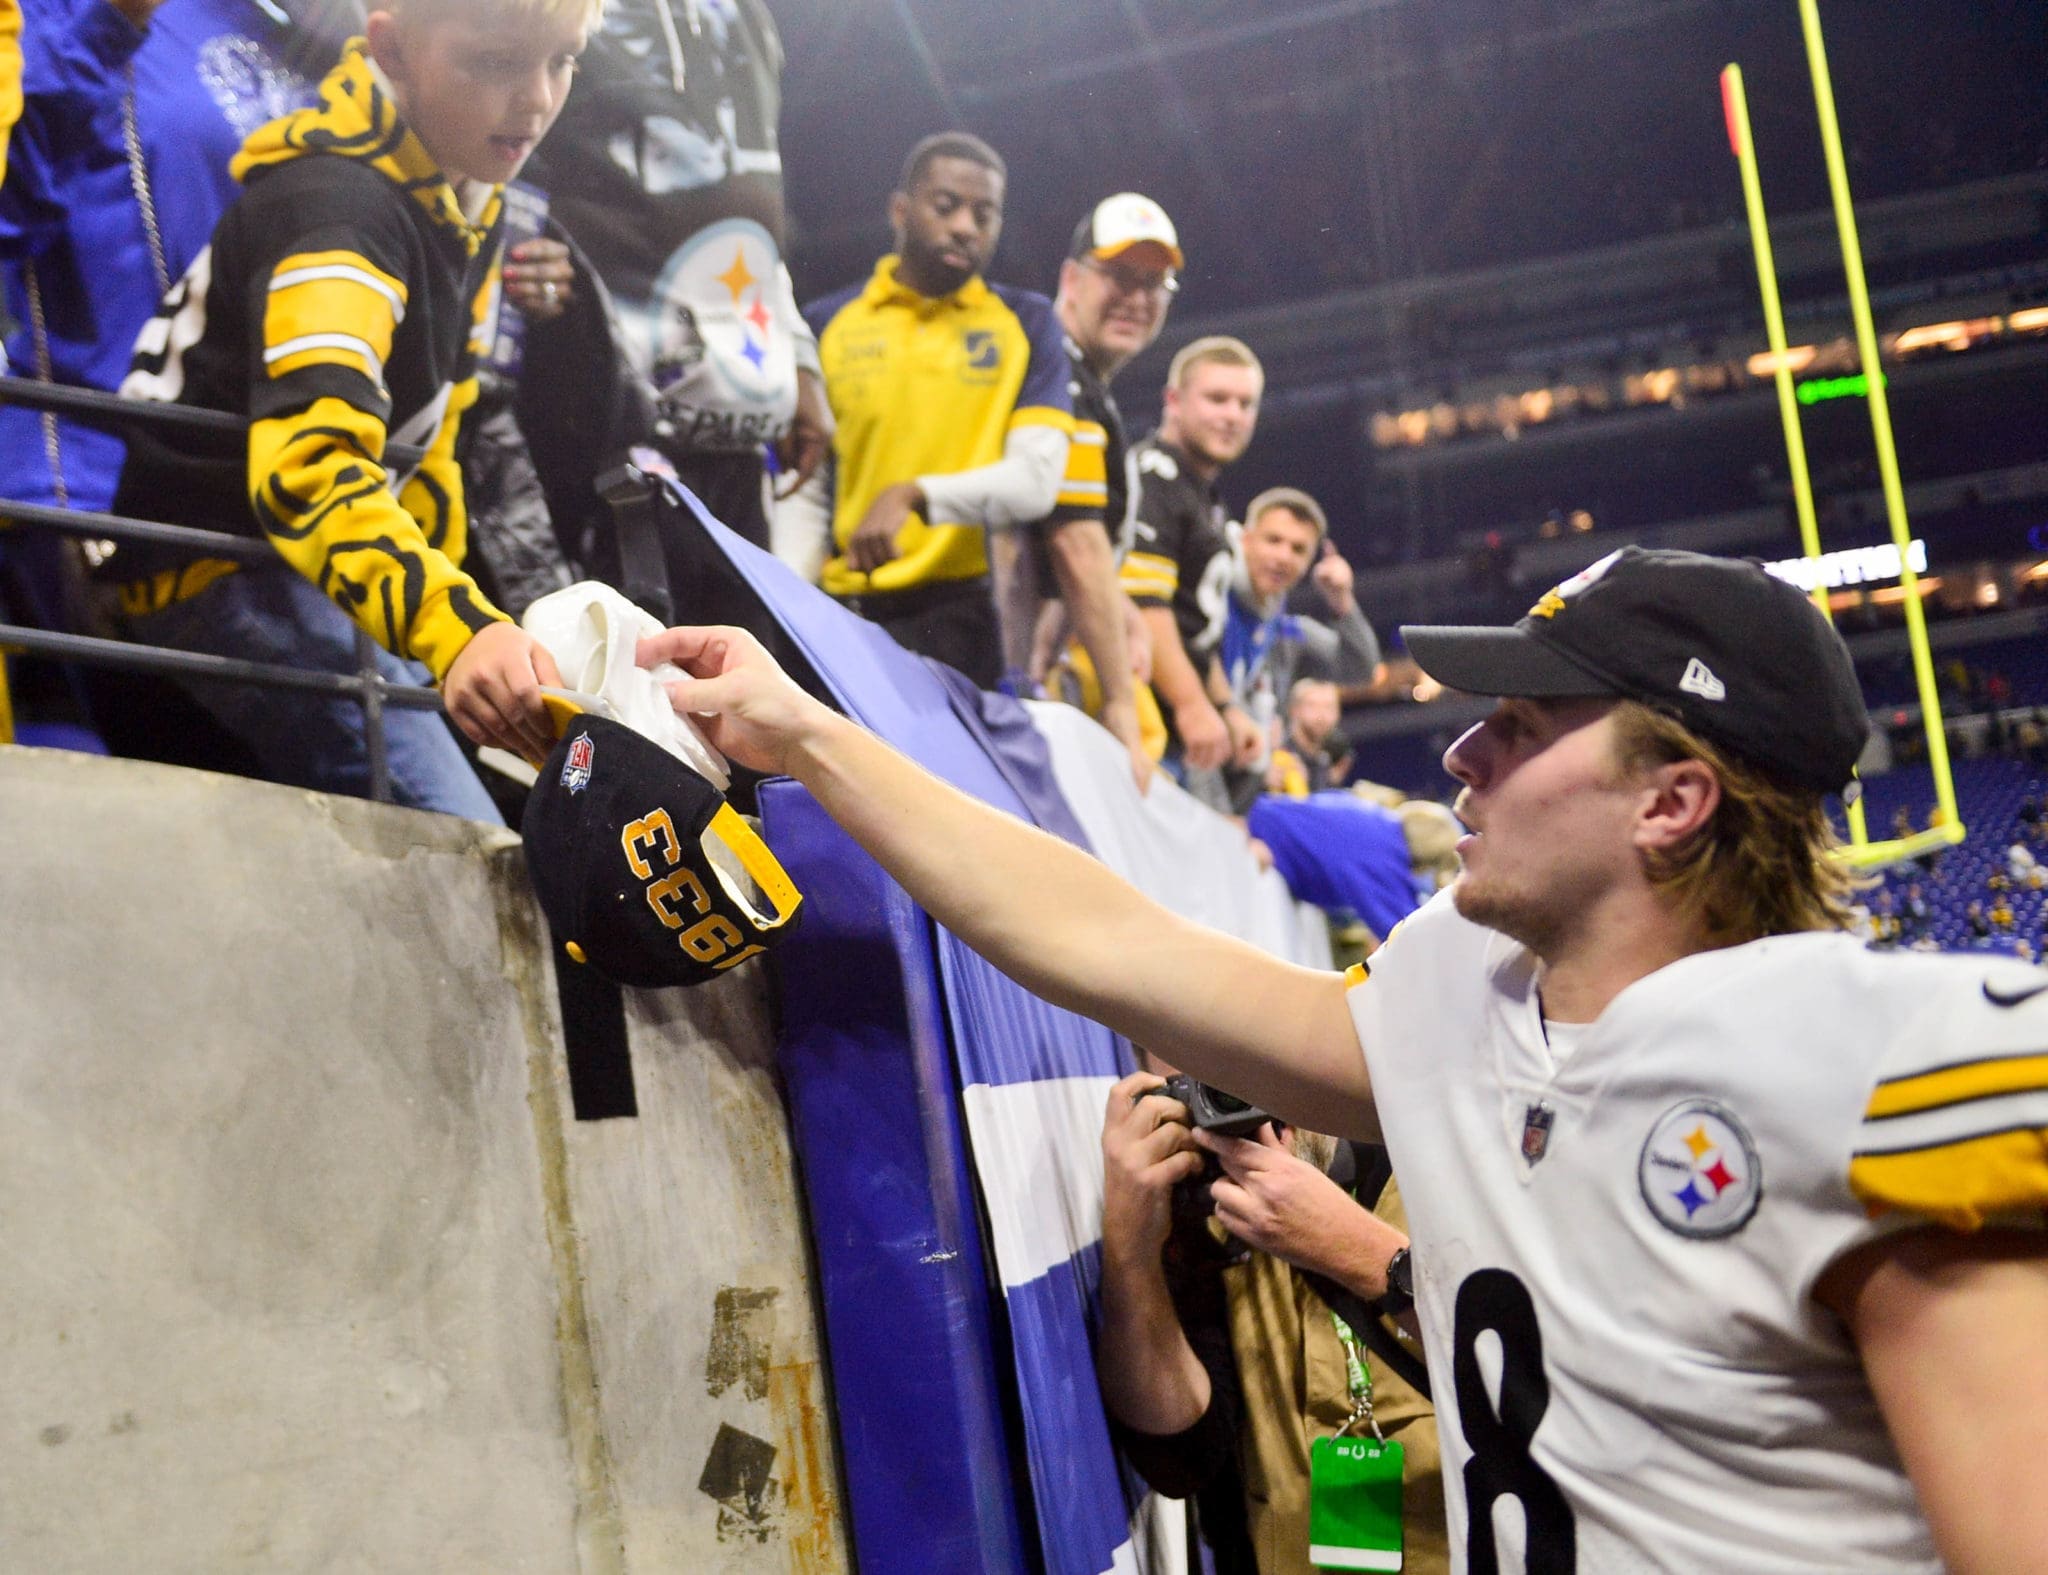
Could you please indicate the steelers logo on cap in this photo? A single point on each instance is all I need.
(1699, 1171)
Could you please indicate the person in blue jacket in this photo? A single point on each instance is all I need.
(117, 172)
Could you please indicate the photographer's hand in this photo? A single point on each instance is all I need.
(1147, 1150)
(1151, 1378)
(1272, 1200)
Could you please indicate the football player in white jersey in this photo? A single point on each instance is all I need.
(1728, 1235)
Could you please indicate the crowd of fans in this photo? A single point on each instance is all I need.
(298, 213)
(943, 455)
(302, 216)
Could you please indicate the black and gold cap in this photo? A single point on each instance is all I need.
(1735, 653)
(643, 869)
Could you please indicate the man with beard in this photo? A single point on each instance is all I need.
(952, 412)
(1178, 568)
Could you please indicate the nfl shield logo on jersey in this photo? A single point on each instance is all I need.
(576, 764)
(1699, 1171)
(1537, 1121)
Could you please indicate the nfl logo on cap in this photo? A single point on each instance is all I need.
(576, 763)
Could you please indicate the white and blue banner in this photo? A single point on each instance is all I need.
(948, 1122)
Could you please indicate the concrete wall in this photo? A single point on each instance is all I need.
(307, 1263)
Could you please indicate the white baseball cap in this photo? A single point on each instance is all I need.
(1122, 222)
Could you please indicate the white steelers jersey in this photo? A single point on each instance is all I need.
(1615, 1255)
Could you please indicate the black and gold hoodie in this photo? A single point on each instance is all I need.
(343, 301)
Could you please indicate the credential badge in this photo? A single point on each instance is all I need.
(1699, 1170)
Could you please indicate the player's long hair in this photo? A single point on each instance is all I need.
(1764, 865)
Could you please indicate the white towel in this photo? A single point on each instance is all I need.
(591, 631)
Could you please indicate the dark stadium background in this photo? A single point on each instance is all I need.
(1404, 205)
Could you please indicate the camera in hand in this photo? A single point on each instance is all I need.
(1212, 1110)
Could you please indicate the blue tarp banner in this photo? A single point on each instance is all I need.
(901, 1050)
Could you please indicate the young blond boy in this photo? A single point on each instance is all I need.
(341, 305)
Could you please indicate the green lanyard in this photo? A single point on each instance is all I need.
(1359, 1377)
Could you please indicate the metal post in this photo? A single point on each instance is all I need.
(1880, 415)
(1735, 106)
(372, 695)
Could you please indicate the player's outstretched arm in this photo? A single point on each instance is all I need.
(1950, 1330)
(1048, 915)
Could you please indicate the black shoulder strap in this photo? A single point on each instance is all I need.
(637, 501)
(1370, 1169)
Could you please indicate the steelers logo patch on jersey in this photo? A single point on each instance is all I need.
(1699, 1171)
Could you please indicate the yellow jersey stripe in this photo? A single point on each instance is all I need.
(1148, 574)
(332, 306)
(281, 360)
(1959, 1084)
(1356, 975)
(312, 267)
(1958, 1184)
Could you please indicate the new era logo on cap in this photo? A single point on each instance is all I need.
(1699, 680)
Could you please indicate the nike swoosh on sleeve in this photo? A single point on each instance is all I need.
(1998, 997)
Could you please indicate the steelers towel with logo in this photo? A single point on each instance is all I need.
(1616, 1244)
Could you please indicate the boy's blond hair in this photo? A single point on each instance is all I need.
(590, 13)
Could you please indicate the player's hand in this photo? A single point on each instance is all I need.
(746, 706)
(539, 278)
(809, 439)
(1204, 740)
(492, 690)
(1333, 578)
(1121, 718)
(873, 542)
(1247, 739)
(1147, 1151)
(1270, 1199)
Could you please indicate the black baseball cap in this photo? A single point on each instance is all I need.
(1741, 657)
(641, 866)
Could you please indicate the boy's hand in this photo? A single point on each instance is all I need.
(747, 706)
(492, 690)
(540, 278)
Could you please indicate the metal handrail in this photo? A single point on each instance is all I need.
(97, 408)
(366, 686)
